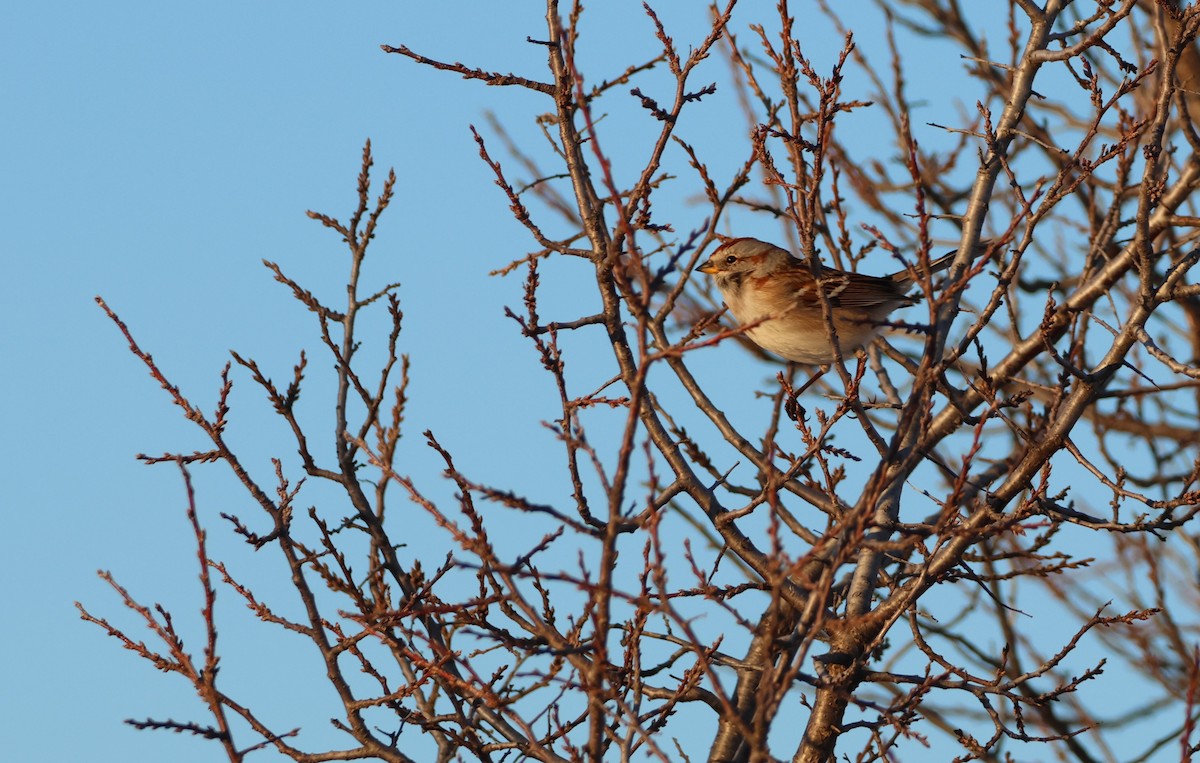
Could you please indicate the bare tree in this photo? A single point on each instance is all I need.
(845, 581)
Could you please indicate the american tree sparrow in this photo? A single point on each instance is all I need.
(775, 294)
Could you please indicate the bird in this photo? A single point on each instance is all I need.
(775, 296)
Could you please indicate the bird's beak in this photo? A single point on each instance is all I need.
(708, 268)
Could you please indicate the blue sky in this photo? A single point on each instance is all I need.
(154, 154)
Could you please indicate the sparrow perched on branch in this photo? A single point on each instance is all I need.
(776, 295)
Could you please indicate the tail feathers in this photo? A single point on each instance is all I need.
(939, 264)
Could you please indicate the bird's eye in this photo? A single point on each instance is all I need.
(730, 259)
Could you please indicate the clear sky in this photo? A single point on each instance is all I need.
(154, 153)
